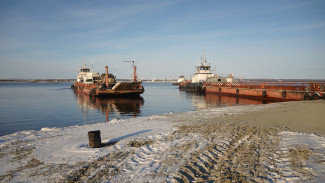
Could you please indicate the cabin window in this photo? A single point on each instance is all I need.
(219, 79)
(89, 80)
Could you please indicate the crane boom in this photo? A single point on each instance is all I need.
(134, 70)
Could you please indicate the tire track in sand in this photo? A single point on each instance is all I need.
(251, 154)
(209, 152)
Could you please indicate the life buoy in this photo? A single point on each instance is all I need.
(314, 86)
(262, 86)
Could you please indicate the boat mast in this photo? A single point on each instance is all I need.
(204, 60)
(92, 64)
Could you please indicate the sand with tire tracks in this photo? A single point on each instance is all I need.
(281, 142)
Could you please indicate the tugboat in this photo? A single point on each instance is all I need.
(105, 85)
(181, 78)
(202, 73)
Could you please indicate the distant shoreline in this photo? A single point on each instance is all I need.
(38, 80)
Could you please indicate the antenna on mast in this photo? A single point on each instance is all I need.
(115, 70)
(204, 60)
(134, 70)
(84, 59)
(92, 64)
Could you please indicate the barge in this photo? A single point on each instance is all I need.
(279, 91)
(105, 85)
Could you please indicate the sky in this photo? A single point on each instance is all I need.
(249, 38)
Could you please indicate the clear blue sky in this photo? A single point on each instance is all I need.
(251, 39)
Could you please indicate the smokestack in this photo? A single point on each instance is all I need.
(106, 78)
(134, 73)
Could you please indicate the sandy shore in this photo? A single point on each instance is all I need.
(260, 145)
(302, 116)
(281, 142)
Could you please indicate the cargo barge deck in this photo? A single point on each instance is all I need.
(280, 91)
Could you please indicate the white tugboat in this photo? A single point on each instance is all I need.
(203, 71)
(181, 78)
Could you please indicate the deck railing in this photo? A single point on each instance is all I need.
(293, 86)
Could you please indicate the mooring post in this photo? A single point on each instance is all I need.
(94, 139)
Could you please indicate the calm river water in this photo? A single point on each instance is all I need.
(32, 106)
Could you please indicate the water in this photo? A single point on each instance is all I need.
(32, 106)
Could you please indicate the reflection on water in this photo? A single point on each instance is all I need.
(209, 101)
(132, 107)
(111, 107)
(56, 105)
(223, 101)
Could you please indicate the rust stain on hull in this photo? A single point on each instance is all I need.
(276, 90)
(124, 89)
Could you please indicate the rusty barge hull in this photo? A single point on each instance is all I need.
(125, 89)
(272, 90)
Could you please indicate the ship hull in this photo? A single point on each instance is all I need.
(125, 89)
(192, 87)
(266, 91)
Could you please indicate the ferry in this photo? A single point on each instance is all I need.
(106, 85)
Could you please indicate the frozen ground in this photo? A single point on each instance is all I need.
(222, 144)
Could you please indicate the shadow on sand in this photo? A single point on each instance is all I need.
(115, 140)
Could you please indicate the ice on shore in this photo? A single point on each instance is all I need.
(70, 144)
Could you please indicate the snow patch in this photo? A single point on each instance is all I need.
(48, 129)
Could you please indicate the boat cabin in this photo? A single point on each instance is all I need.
(218, 79)
(180, 79)
(84, 70)
(87, 77)
(202, 71)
